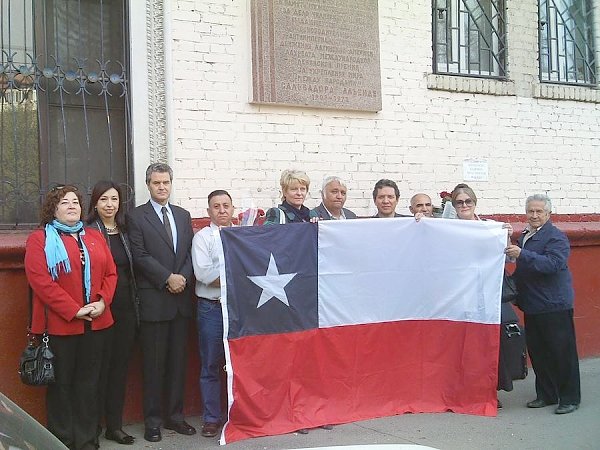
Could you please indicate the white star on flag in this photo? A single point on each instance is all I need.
(272, 284)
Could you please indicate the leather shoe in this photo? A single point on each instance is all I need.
(181, 427)
(327, 427)
(537, 403)
(565, 409)
(119, 436)
(303, 431)
(152, 434)
(210, 429)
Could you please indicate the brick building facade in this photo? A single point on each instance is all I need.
(534, 137)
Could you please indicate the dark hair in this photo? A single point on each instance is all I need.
(463, 188)
(100, 188)
(53, 198)
(385, 183)
(219, 192)
(158, 167)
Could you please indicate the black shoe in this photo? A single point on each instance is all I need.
(119, 436)
(303, 431)
(499, 404)
(152, 435)
(538, 403)
(565, 409)
(181, 427)
(327, 427)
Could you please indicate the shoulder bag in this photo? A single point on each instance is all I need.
(36, 366)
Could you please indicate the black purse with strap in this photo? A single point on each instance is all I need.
(36, 365)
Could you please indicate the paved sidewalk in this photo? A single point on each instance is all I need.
(516, 427)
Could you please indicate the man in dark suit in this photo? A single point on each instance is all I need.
(333, 193)
(161, 239)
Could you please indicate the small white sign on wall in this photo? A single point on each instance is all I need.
(475, 170)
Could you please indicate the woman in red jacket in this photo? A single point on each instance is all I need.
(73, 277)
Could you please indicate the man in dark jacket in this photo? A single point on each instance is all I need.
(546, 297)
(333, 193)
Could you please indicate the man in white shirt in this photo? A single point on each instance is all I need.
(206, 248)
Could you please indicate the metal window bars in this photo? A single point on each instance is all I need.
(64, 100)
(566, 42)
(469, 38)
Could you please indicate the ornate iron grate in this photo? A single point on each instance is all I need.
(64, 100)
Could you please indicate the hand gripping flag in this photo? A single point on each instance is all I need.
(347, 320)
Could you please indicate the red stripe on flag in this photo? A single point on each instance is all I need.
(285, 382)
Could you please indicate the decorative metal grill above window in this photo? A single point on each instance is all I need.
(469, 37)
(566, 42)
(64, 100)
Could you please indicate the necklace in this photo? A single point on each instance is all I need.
(111, 229)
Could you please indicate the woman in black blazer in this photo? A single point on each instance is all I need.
(107, 215)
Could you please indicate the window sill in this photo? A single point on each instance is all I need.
(566, 92)
(470, 85)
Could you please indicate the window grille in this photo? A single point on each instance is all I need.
(64, 106)
(469, 37)
(566, 42)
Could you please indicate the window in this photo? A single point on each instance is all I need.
(469, 37)
(566, 42)
(64, 106)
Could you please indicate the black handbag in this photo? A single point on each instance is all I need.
(509, 289)
(36, 366)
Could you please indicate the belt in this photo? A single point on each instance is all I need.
(211, 300)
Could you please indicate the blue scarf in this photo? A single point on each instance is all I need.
(56, 253)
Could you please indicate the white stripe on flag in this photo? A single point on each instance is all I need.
(400, 269)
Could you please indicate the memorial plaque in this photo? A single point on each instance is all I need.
(319, 53)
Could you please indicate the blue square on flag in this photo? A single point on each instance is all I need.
(271, 288)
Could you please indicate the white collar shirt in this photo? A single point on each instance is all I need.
(158, 209)
(206, 254)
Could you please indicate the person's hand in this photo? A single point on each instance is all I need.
(418, 216)
(314, 219)
(176, 283)
(84, 313)
(512, 251)
(98, 308)
(509, 227)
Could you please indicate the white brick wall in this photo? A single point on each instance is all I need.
(429, 124)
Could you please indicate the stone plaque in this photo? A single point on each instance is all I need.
(319, 53)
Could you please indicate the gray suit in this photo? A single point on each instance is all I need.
(164, 316)
(324, 214)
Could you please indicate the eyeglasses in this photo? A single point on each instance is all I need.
(467, 202)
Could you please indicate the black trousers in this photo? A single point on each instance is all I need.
(115, 364)
(72, 402)
(553, 353)
(164, 351)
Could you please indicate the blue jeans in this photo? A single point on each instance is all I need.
(212, 358)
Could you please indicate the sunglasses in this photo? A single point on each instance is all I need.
(467, 202)
(60, 187)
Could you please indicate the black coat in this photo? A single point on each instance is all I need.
(154, 261)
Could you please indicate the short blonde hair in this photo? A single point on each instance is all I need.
(290, 176)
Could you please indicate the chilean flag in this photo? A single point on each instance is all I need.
(339, 321)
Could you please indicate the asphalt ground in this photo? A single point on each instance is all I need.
(515, 427)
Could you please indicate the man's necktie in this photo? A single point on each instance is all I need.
(167, 223)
